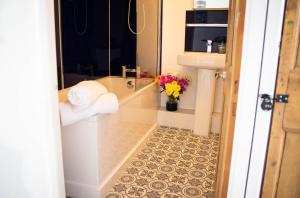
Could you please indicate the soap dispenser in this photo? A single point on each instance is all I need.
(209, 46)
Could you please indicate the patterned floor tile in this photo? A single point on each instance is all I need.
(174, 163)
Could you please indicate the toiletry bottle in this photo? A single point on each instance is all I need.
(209, 46)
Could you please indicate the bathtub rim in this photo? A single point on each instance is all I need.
(136, 92)
(129, 97)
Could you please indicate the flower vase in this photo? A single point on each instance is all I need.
(171, 105)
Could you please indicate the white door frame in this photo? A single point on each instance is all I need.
(261, 47)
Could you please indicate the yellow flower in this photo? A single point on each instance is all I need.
(174, 83)
(176, 94)
(169, 92)
(177, 88)
(169, 86)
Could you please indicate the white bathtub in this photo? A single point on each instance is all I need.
(94, 149)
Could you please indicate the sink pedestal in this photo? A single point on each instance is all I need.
(206, 64)
(206, 84)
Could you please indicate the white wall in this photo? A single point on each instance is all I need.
(30, 149)
(173, 33)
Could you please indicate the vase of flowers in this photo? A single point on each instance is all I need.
(173, 86)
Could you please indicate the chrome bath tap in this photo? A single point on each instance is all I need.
(125, 70)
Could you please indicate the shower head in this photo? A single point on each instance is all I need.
(128, 19)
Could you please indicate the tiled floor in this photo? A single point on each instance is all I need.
(173, 163)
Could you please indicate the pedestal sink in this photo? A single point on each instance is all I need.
(207, 65)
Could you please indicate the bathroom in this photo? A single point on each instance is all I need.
(95, 116)
(124, 51)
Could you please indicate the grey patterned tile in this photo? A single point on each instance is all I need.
(174, 163)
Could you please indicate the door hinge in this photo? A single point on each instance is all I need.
(267, 103)
(221, 75)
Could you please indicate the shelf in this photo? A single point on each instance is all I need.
(184, 111)
(182, 118)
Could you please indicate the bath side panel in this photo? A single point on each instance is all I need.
(118, 133)
(79, 142)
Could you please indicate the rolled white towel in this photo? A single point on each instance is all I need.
(106, 103)
(84, 94)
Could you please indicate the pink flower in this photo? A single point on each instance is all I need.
(170, 78)
(162, 81)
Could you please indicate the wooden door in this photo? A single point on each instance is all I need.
(282, 172)
(233, 64)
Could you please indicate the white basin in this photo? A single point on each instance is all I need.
(206, 65)
(202, 60)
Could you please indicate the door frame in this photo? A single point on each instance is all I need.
(235, 34)
(261, 46)
(268, 78)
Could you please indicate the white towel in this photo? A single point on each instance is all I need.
(84, 94)
(106, 103)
